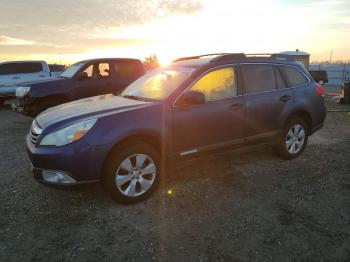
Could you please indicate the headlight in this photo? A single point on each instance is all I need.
(68, 134)
(22, 91)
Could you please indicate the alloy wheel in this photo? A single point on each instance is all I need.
(295, 139)
(135, 175)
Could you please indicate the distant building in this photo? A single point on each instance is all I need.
(297, 56)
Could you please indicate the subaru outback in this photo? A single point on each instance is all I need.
(196, 105)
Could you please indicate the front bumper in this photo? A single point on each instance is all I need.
(25, 105)
(79, 161)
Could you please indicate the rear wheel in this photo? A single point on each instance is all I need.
(132, 172)
(294, 139)
(46, 103)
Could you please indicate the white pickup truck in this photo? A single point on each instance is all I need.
(16, 73)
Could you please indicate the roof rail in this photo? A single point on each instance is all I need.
(228, 57)
(197, 57)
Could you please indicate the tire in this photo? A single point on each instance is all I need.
(137, 181)
(294, 139)
(2, 101)
(45, 104)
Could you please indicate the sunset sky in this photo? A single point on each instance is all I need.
(66, 31)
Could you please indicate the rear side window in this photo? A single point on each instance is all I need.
(217, 84)
(27, 68)
(127, 69)
(8, 69)
(57, 68)
(292, 76)
(258, 78)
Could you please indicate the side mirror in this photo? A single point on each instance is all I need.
(192, 98)
(82, 76)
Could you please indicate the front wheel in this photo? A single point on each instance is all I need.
(294, 139)
(132, 172)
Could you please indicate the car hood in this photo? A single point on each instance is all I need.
(97, 106)
(44, 80)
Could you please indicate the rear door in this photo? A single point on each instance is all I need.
(267, 100)
(97, 82)
(212, 125)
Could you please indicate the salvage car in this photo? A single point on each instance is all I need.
(83, 79)
(194, 106)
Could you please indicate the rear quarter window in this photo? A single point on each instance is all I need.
(292, 76)
(258, 78)
(128, 69)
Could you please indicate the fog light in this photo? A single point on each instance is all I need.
(57, 177)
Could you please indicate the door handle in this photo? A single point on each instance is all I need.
(285, 98)
(16, 77)
(235, 107)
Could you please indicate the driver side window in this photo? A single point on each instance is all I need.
(217, 84)
(88, 70)
(97, 70)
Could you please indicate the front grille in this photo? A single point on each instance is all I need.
(35, 132)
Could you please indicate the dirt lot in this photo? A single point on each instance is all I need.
(242, 206)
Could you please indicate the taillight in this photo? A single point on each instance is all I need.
(319, 90)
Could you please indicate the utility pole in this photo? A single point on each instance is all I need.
(331, 56)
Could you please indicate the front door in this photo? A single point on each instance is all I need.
(214, 124)
(98, 81)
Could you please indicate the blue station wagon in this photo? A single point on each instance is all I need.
(196, 105)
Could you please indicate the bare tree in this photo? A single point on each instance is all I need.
(151, 62)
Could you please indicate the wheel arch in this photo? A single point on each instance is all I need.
(149, 138)
(303, 114)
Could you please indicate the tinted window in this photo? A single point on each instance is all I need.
(8, 69)
(56, 68)
(27, 68)
(127, 69)
(217, 84)
(292, 76)
(258, 78)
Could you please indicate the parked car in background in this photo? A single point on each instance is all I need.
(194, 106)
(84, 79)
(15, 73)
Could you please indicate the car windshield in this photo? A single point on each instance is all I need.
(157, 84)
(71, 71)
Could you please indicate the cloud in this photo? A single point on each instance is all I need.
(16, 47)
(5, 40)
(64, 21)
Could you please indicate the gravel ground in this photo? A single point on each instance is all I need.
(241, 206)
